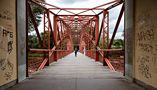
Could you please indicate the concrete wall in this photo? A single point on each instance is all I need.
(129, 38)
(146, 42)
(141, 42)
(8, 60)
(12, 42)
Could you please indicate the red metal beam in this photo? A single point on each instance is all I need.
(38, 50)
(105, 37)
(109, 64)
(116, 27)
(54, 48)
(97, 6)
(76, 15)
(58, 33)
(78, 19)
(41, 6)
(44, 39)
(102, 26)
(98, 52)
(77, 8)
(58, 11)
(42, 65)
(33, 19)
(112, 6)
(96, 28)
(107, 30)
(55, 7)
(61, 24)
(55, 28)
(64, 24)
(39, 3)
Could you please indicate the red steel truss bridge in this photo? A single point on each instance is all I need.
(63, 32)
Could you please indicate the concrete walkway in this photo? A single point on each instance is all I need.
(76, 73)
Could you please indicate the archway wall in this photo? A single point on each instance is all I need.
(12, 42)
(8, 59)
(141, 42)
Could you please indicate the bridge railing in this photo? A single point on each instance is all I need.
(59, 54)
(39, 58)
(115, 56)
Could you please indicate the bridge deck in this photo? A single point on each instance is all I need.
(76, 73)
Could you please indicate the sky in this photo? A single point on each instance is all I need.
(113, 13)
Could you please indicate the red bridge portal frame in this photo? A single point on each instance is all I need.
(64, 31)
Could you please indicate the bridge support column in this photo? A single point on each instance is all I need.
(55, 28)
(96, 36)
(97, 28)
(21, 39)
(55, 35)
(129, 38)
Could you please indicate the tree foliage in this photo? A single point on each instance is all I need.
(37, 12)
(46, 39)
(32, 41)
(118, 43)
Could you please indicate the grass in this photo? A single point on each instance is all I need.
(35, 55)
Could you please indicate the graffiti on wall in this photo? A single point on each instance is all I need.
(143, 67)
(146, 48)
(6, 15)
(6, 46)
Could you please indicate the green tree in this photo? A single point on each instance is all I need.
(105, 44)
(37, 12)
(118, 43)
(32, 41)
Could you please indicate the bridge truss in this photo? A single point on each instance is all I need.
(64, 32)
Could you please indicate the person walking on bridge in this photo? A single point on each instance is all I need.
(76, 52)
